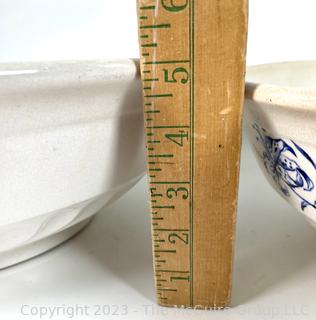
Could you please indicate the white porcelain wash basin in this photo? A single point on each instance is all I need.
(71, 142)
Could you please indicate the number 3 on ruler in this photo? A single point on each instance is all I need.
(172, 191)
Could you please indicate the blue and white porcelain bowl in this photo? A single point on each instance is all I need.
(280, 115)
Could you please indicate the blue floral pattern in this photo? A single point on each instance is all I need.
(281, 162)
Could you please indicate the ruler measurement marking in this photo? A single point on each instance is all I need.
(157, 195)
(149, 45)
(153, 141)
(172, 271)
(157, 162)
(162, 95)
(151, 80)
(172, 230)
(160, 156)
(169, 182)
(167, 127)
(167, 289)
(187, 278)
(147, 8)
(165, 251)
(163, 207)
(166, 62)
(156, 26)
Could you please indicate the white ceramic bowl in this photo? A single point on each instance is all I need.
(71, 142)
(280, 114)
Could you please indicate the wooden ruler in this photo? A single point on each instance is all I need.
(192, 66)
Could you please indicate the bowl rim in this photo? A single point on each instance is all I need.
(278, 95)
(66, 65)
(17, 77)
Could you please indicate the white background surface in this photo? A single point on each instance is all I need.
(109, 263)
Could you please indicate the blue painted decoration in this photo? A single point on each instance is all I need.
(282, 164)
